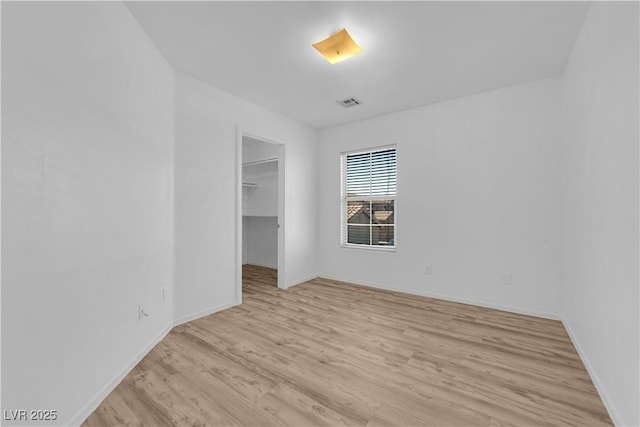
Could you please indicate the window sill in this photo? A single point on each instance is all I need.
(391, 249)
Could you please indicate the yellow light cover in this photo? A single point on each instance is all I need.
(338, 47)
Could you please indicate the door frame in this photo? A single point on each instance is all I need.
(260, 136)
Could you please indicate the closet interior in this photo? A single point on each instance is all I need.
(259, 203)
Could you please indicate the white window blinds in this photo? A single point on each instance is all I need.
(371, 174)
(368, 200)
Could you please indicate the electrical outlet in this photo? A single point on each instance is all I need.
(428, 271)
(507, 279)
(164, 295)
(141, 313)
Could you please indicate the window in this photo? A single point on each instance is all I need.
(369, 198)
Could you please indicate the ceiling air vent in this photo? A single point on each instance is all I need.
(349, 102)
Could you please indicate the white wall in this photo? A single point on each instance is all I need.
(245, 254)
(600, 194)
(206, 121)
(87, 187)
(254, 150)
(478, 198)
(261, 200)
(262, 240)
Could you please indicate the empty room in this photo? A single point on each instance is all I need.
(320, 213)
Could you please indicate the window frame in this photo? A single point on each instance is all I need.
(344, 201)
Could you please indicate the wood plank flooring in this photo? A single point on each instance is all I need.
(330, 353)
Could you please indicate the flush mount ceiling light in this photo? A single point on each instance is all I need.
(338, 47)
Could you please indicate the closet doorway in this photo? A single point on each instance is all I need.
(261, 233)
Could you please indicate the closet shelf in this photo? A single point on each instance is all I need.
(261, 162)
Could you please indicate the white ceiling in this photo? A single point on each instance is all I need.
(414, 53)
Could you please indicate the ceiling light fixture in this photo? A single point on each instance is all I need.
(338, 47)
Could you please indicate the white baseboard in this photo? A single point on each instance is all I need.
(104, 392)
(608, 403)
(511, 309)
(202, 313)
(301, 280)
(111, 385)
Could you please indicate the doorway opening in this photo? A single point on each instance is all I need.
(260, 228)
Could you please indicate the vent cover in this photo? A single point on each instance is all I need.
(349, 102)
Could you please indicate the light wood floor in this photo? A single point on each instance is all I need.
(330, 353)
